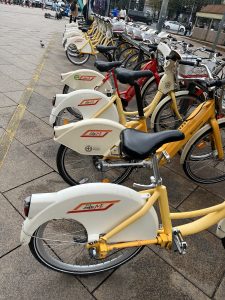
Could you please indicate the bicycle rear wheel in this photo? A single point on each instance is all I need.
(201, 163)
(77, 169)
(61, 246)
(69, 114)
(75, 57)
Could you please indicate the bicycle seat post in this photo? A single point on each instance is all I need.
(155, 167)
(138, 99)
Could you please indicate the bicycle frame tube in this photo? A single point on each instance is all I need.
(211, 216)
(204, 113)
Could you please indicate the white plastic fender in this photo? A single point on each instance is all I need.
(90, 137)
(73, 39)
(163, 102)
(98, 206)
(220, 231)
(88, 102)
(195, 137)
(70, 34)
(81, 43)
(86, 79)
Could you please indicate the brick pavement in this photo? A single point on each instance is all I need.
(30, 168)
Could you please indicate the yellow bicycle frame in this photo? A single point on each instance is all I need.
(208, 217)
(204, 113)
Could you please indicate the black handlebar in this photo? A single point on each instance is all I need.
(153, 47)
(187, 63)
(209, 50)
(216, 83)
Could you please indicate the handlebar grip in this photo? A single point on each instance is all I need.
(187, 63)
(209, 50)
(217, 83)
(153, 46)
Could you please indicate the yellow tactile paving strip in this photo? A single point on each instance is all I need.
(10, 132)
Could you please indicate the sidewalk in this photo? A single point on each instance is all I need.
(30, 167)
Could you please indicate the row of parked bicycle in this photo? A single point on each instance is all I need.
(82, 230)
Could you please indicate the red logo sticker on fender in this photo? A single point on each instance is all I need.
(93, 206)
(95, 133)
(84, 77)
(88, 102)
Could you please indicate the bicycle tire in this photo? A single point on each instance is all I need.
(48, 251)
(72, 57)
(149, 91)
(132, 61)
(166, 118)
(74, 112)
(95, 175)
(140, 64)
(206, 167)
(125, 54)
(120, 47)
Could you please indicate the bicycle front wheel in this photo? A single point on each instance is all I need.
(166, 118)
(201, 163)
(61, 245)
(77, 169)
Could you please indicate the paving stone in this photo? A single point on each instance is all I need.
(200, 199)
(48, 92)
(10, 227)
(46, 120)
(174, 183)
(22, 277)
(15, 72)
(219, 295)
(203, 265)
(47, 151)
(25, 82)
(46, 184)
(216, 188)
(1, 131)
(39, 106)
(4, 62)
(5, 115)
(32, 130)
(20, 166)
(147, 277)
(8, 84)
(93, 281)
(5, 101)
(15, 96)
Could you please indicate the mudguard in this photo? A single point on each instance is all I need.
(81, 43)
(71, 33)
(195, 137)
(98, 206)
(86, 79)
(163, 102)
(90, 137)
(88, 102)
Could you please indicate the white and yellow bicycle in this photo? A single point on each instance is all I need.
(95, 227)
